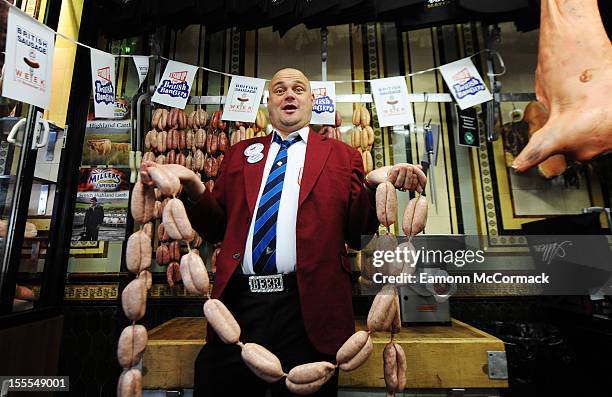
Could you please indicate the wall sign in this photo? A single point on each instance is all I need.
(101, 205)
(468, 128)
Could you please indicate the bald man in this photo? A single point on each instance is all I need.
(284, 206)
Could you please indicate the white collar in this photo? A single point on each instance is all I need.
(303, 133)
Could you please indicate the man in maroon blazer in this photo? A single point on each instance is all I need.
(284, 206)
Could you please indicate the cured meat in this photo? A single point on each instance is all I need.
(536, 116)
(573, 81)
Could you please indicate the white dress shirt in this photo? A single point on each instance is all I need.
(287, 210)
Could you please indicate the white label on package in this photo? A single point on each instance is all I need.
(175, 84)
(103, 83)
(243, 99)
(29, 60)
(391, 100)
(142, 66)
(465, 83)
(324, 106)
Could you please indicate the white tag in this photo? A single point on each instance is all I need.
(103, 83)
(391, 100)
(255, 158)
(243, 99)
(253, 149)
(465, 83)
(142, 66)
(324, 106)
(175, 85)
(29, 59)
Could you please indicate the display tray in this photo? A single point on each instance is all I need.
(438, 356)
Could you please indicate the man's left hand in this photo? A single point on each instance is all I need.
(406, 176)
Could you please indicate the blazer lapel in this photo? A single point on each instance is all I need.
(317, 151)
(253, 174)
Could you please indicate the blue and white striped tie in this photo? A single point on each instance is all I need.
(264, 233)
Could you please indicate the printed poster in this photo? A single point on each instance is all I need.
(465, 83)
(175, 85)
(243, 99)
(29, 60)
(101, 208)
(391, 101)
(103, 83)
(142, 67)
(122, 110)
(324, 106)
(107, 142)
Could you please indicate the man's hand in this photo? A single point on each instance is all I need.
(406, 176)
(403, 176)
(191, 183)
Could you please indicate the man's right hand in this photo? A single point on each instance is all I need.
(191, 183)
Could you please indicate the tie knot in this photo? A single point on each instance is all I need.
(286, 143)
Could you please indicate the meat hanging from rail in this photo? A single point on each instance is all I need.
(573, 81)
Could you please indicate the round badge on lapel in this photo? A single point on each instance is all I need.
(255, 148)
(255, 158)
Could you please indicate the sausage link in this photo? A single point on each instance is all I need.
(176, 222)
(131, 346)
(262, 362)
(222, 321)
(134, 299)
(138, 252)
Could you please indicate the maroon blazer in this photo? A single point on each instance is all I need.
(334, 208)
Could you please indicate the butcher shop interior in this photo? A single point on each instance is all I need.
(459, 221)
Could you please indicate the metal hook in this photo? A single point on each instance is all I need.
(426, 100)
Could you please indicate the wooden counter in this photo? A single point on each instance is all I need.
(438, 357)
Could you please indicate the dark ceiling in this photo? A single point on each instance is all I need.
(137, 17)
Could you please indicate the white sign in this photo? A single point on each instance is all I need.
(324, 106)
(29, 60)
(391, 100)
(175, 85)
(142, 67)
(465, 83)
(103, 83)
(243, 99)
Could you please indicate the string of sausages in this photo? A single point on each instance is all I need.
(147, 205)
(192, 269)
(384, 316)
(178, 138)
(362, 136)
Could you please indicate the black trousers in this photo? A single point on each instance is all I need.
(273, 320)
(91, 233)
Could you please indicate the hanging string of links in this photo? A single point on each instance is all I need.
(486, 50)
